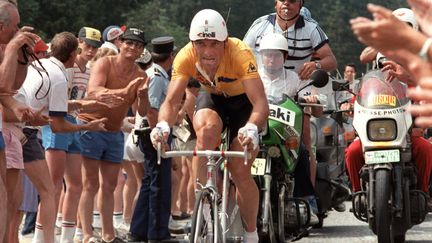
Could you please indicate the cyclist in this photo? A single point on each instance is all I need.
(226, 69)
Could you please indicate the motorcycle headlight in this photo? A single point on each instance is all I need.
(382, 130)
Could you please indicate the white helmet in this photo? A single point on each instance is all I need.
(274, 41)
(406, 15)
(208, 24)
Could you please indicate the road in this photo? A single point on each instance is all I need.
(344, 227)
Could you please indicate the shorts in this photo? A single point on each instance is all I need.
(132, 151)
(189, 145)
(13, 150)
(2, 143)
(106, 146)
(234, 111)
(32, 150)
(68, 142)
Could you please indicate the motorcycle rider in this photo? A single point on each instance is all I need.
(280, 83)
(420, 147)
(421, 154)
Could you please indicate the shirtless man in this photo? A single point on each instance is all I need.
(103, 151)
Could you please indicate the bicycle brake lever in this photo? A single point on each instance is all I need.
(159, 145)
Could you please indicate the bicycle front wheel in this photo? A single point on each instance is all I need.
(205, 220)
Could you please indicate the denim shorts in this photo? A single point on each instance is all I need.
(68, 142)
(106, 146)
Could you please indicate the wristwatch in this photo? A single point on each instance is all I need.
(317, 65)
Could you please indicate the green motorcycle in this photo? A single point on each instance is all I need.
(281, 216)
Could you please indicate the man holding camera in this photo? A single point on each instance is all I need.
(13, 70)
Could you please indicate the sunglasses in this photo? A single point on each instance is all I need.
(290, 1)
(134, 43)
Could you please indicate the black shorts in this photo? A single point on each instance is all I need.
(32, 149)
(234, 111)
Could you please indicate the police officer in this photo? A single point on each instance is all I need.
(152, 211)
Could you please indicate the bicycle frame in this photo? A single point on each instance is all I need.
(212, 165)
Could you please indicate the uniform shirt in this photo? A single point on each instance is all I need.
(237, 64)
(158, 86)
(78, 82)
(47, 89)
(304, 38)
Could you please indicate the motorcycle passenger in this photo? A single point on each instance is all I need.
(280, 83)
(226, 69)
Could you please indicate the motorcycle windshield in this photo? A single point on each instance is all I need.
(376, 93)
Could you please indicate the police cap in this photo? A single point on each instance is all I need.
(164, 44)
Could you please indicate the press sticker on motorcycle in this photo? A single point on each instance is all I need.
(383, 100)
(282, 115)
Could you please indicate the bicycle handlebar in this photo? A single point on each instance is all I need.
(204, 153)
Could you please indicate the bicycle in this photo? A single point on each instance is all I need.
(209, 205)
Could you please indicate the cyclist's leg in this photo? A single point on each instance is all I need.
(208, 127)
(247, 190)
(239, 110)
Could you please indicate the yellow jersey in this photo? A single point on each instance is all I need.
(238, 64)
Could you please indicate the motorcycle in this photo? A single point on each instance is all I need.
(388, 200)
(282, 216)
(329, 143)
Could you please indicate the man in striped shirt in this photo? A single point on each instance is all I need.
(305, 38)
(308, 50)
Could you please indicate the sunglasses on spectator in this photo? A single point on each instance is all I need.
(137, 44)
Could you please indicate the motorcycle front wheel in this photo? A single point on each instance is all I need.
(382, 212)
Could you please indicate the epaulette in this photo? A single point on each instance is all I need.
(157, 72)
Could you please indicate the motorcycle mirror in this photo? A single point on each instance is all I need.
(319, 78)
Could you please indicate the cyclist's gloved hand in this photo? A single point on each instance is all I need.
(160, 133)
(249, 134)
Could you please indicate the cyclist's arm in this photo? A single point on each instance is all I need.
(254, 90)
(169, 109)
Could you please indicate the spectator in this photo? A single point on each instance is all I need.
(102, 152)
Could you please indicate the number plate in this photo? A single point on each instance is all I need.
(382, 156)
(258, 167)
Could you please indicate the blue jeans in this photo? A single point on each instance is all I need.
(153, 208)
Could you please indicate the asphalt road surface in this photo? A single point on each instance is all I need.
(344, 227)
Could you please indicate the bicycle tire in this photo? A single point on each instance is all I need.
(205, 228)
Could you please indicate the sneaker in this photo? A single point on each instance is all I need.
(94, 240)
(131, 238)
(340, 207)
(78, 237)
(123, 229)
(313, 219)
(115, 240)
(182, 216)
(176, 226)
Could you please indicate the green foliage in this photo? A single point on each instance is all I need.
(172, 17)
